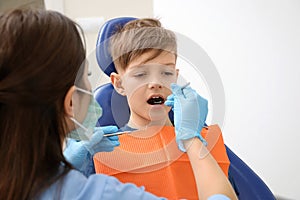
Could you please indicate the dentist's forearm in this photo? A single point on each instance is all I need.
(209, 177)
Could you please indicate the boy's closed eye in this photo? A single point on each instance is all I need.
(167, 73)
(139, 74)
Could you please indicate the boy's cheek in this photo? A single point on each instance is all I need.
(136, 95)
(134, 89)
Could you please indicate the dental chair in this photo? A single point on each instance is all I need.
(246, 183)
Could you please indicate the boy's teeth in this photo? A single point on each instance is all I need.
(155, 100)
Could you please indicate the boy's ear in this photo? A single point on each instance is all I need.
(177, 73)
(68, 104)
(117, 83)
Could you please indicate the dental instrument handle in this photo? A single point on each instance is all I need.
(185, 85)
(118, 133)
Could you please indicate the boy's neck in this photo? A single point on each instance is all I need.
(143, 125)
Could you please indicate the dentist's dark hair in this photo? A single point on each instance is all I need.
(41, 53)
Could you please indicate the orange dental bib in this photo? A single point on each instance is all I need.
(151, 158)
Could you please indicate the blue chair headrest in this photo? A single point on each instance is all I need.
(115, 106)
(104, 58)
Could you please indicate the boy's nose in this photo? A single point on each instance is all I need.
(154, 85)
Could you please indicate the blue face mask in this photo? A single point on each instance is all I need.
(85, 130)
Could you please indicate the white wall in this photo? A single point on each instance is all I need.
(255, 46)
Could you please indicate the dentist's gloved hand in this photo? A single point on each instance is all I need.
(80, 153)
(99, 143)
(190, 112)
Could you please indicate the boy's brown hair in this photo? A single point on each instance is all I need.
(138, 37)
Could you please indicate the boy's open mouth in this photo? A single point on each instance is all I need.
(155, 100)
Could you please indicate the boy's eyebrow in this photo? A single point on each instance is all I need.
(144, 62)
(169, 64)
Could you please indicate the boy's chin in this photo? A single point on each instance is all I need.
(158, 115)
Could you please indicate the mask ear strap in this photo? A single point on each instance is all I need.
(83, 90)
(78, 124)
(78, 135)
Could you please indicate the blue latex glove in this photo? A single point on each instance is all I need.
(98, 143)
(80, 153)
(190, 112)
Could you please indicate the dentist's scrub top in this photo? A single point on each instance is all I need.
(76, 186)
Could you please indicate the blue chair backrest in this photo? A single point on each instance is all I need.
(247, 184)
(115, 107)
